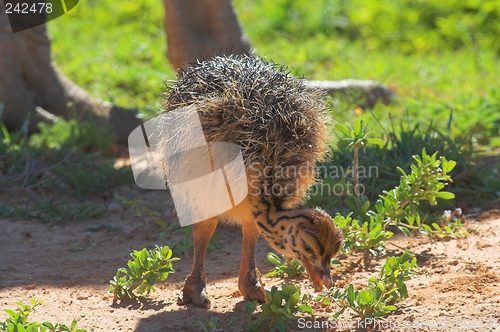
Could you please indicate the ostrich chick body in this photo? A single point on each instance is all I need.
(280, 129)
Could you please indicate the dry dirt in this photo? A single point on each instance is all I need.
(459, 281)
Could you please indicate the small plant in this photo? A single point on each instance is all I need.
(369, 236)
(211, 325)
(451, 225)
(398, 207)
(250, 307)
(18, 321)
(365, 228)
(382, 294)
(356, 137)
(280, 309)
(428, 176)
(146, 267)
(290, 266)
(140, 209)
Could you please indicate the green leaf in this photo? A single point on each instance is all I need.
(273, 258)
(405, 230)
(280, 325)
(376, 141)
(335, 262)
(338, 313)
(10, 312)
(151, 280)
(350, 294)
(436, 226)
(445, 195)
(365, 297)
(305, 308)
(402, 289)
(449, 165)
(427, 228)
(389, 308)
(343, 129)
(250, 307)
(358, 126)
(376, 230)
(294, 299)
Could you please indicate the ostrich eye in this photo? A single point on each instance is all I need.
(308, 249)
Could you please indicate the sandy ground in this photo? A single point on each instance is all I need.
(458, 288)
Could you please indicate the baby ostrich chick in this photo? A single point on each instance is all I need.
(280, 128)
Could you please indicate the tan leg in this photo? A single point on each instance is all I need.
(194, 287)
(248, 282)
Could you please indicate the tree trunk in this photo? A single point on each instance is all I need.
(201, 29)
(32, 87)
(26, 76)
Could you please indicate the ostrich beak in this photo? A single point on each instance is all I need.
(319, 276)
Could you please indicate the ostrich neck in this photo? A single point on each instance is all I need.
(278, 227)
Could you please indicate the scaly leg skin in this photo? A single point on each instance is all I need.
(194, 287)
(248, 282)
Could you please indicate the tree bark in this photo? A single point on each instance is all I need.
(26, 78)
(32, 87)
(201, 29)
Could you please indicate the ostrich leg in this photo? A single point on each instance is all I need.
(248, 282)
(194, 287)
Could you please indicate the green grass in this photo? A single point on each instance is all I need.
(65, 153)
(53, 212)
(122, 49)
(410, 25)
(115, 50)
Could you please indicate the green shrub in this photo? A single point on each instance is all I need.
(474, 183)
(289, 266)
(18, 321)
(146, 267)
(366, 226)
(280, 309)
(382, 293)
